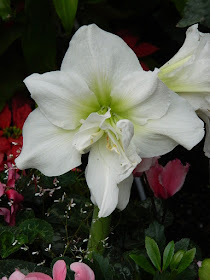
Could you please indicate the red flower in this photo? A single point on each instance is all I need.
(11, 124)
(5, 117)
(166, 181)
(140, 49)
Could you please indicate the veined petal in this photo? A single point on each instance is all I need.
(180, 125)
(90, 131)
(137, 93)
(46, 147)
(101, 58)
(183, 55)
(64, 98)
(105, 170)
(124, 192)
(197, 100)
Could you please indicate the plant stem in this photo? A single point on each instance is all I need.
(99, 231)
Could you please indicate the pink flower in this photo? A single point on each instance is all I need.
(82, 271)
(13, 196)
(166, 181)
(59, 273)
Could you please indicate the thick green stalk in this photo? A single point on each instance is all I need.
(99, 231)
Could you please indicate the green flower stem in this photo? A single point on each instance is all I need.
(99, 231)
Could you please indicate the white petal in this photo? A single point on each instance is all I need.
(47, 147)
(205, 115)
(124, 192)
(101, 58)
(197, 100)
(127, 130)
(180, 125)
(105, 170)
(183, 55)
(189, 69)
(140, 96)
(90, 131)
(64, 98)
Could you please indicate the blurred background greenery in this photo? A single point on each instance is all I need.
(34, 35)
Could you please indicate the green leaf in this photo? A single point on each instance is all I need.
(204, 270)
(143, 263)
(186, 260)
(176, 259)
(34, 228)
(153, 252)
(156, 232)
(39, 37)
(103, 270)
(66, 10)
(196, 11)
(189, 274)
(182, 244)
(5, 9)
(168, 255)
(10, 243)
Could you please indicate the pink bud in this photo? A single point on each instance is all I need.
(59, 270)
(82, 271)
(166, 181)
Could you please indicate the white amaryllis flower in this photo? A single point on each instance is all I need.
(102, 102)
(188, 74)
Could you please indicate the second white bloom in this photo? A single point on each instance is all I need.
(188, 74)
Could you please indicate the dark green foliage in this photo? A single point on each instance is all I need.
(196, 12)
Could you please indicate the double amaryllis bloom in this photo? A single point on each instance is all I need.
(188, 74)
(102, 102)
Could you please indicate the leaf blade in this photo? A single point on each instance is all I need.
(143, 263)
(153, 252)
